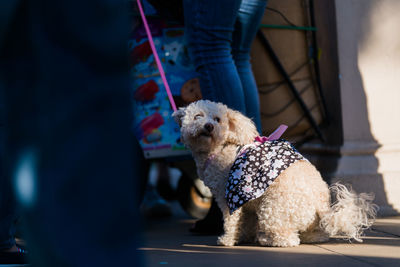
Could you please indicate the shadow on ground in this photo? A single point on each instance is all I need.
(169, 242)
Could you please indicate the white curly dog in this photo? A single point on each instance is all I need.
(295, 208)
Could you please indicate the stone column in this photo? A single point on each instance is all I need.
(360, 72)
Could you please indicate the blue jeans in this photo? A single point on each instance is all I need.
(7, 201)
(219, 35)
(65, 72)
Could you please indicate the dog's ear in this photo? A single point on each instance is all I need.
(178, 115)
(241, 129)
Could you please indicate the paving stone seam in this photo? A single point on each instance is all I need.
(348, 256)
(384, 232)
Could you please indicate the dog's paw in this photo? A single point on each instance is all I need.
(278, 241)
(286, 243)
(225, 241)
(290, 241)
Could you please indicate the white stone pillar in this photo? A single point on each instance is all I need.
(366, 153)
(378, 62)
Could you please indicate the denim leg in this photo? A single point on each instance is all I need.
(66, 74)
(7, 201)
(209, 25)
(247, 23)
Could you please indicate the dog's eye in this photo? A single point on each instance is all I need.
(198, 116)
(217, 119)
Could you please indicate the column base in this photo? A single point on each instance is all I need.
(363, 166)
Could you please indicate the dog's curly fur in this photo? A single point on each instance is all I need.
(295, 208)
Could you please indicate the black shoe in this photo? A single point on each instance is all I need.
(19, 257)
(212, 224)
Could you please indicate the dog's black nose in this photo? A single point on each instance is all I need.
(209, 127)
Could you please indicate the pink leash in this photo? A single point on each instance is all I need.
(274, 136)
(158, 62)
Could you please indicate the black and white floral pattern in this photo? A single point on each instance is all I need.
(256, 168)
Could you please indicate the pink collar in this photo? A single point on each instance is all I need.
(274, 136)
(208, 161)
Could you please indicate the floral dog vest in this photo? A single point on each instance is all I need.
(255, 168)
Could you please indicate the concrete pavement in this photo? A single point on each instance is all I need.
(168, 242)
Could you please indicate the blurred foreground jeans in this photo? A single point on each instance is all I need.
(8, 212)
(220, 34)
(63, 65)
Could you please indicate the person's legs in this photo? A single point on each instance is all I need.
(246, 26)
(7, 202)
(69, 132)
(209, 25)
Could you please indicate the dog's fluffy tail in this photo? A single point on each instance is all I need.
(350, 214)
